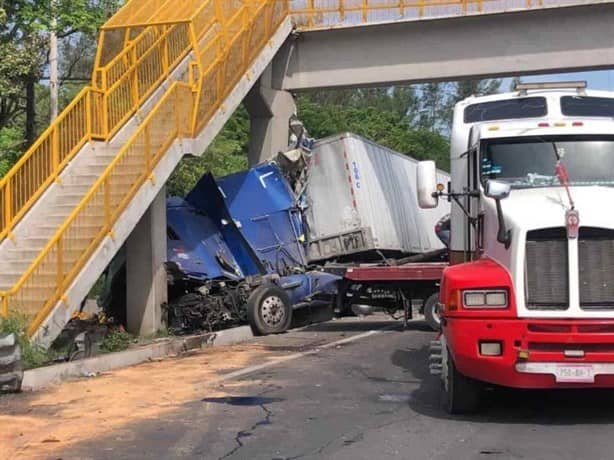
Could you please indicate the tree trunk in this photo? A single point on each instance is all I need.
(53, 66)
(53, 76)
(30, 132)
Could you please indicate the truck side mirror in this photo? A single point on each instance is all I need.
(497, 190)
(426, 178)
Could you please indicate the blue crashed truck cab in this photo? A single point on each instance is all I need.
(236, 254)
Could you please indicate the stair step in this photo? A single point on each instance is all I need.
(99, 165)
(74, 187)
(83, 182)
(18, 273)
(49, 219)
(55, 228)
(31, 254)
(70, 198)
(45, 283)
(106, 153)
(106, 161)
(14, 266)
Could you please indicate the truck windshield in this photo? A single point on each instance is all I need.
(531, 161)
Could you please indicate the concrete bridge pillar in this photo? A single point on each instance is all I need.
(270, 110)
(146, 283)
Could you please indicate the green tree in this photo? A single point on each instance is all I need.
(466, 88)
(227, 154)
(11, 146)
(387, 116)
(24, 33)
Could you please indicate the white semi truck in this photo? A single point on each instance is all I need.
(528, 300)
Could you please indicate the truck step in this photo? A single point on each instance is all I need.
(435, 369)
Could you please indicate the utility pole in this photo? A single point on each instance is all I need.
(53, 64)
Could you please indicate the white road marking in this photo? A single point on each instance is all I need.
(284, 359)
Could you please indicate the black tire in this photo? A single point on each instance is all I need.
(269, 310)
(11, 370)
(461, 393)
(431, 312)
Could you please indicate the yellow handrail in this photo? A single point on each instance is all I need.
(309, 14)
(41, 164)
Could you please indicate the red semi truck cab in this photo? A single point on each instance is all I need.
(528, 301)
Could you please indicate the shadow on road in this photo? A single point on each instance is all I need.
(506, 405)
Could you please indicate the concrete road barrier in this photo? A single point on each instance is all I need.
(11, 372)
(37, 379)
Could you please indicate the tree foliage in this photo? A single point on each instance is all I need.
(411, 120)
(24, 34)
(390, 117)
(227, 154)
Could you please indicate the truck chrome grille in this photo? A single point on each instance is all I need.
(596, 266)
(547, 273)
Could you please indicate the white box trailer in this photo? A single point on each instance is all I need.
(361, 197)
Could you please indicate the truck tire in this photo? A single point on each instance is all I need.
(11, 371)
(269, 310)
(461, 393)
(431, 312)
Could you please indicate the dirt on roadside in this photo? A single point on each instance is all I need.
(38, 425)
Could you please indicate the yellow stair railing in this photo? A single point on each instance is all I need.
(46, 280)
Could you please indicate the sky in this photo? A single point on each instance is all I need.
(601, 80)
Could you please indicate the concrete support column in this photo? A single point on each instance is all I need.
(146, 282)
(270, 110)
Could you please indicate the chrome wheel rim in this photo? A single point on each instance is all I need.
(272, 311)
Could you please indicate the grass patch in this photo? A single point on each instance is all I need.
(116, 340)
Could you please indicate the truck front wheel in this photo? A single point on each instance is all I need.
(461, 393)
(269, 310)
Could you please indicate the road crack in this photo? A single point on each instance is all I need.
(268, 414)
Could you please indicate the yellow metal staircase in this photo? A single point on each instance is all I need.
(140, 50)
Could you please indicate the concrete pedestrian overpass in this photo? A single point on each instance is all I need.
(169, 74)
(449, 42)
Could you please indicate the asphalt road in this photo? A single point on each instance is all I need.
(368, 398)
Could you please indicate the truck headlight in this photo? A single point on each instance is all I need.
(485, 299)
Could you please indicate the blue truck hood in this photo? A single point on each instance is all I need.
(196, 245)
(256, 212)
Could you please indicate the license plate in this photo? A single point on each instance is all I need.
(570, 373)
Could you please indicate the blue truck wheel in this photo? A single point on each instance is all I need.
(269, 310)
